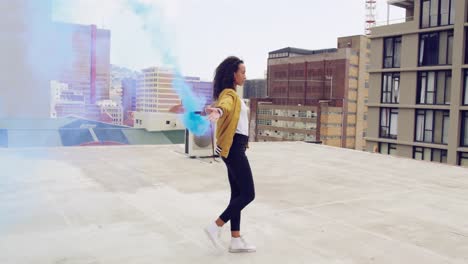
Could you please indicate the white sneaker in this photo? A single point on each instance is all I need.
(213, 231)
(240, 245)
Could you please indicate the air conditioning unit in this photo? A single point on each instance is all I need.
(200, 146)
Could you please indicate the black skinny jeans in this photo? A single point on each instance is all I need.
(240, 180)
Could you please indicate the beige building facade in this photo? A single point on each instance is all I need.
(316, 95)
(155, 92)
(418, 101)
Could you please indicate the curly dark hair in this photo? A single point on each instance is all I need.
(224, 75)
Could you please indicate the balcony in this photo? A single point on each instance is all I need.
(398, 20)
(407, 4)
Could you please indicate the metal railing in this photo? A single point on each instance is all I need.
(394, 21)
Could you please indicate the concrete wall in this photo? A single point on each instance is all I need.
(158, 121)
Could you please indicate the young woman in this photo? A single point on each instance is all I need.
(232, 135)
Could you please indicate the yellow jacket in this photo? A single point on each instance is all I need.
(226, 126)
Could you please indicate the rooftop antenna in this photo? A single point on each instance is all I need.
(371, 6)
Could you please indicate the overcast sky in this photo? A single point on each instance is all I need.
(203, 32)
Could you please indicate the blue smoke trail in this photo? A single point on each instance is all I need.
(152, 20)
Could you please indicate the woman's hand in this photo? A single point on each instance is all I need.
(213, 113)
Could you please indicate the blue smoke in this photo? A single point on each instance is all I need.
(195, 123)
(152, 19)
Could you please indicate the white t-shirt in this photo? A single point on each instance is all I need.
(243, 124)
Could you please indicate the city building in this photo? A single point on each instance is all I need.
(85, 59)
(129, 87)
(123, 81)
(255, 88)
(81, 75)
(113, 110)
(156, 92)
(314, 95)
(157, 101)
(418, 102)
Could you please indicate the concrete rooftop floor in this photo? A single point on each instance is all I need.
(148, 204)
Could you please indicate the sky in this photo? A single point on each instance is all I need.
(201, 33)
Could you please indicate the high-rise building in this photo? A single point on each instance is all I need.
(129, 87)
(85, 59)
(119, 77)
(313, 95)
(156, 92)
(418, 102)
(157, 101)
(82, 59)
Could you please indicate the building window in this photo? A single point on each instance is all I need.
(465, 90)
(387, 148)
(392, 50)
(388, 123)
(434, 87)
(430, 154)
(463, 159)
(391, 88)
(449, 48)
(432, 126)
(264, 111)
(435, 48)
(466, 46)
(264, 122)
(436, 13)
(464, 136)
(421, 153)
